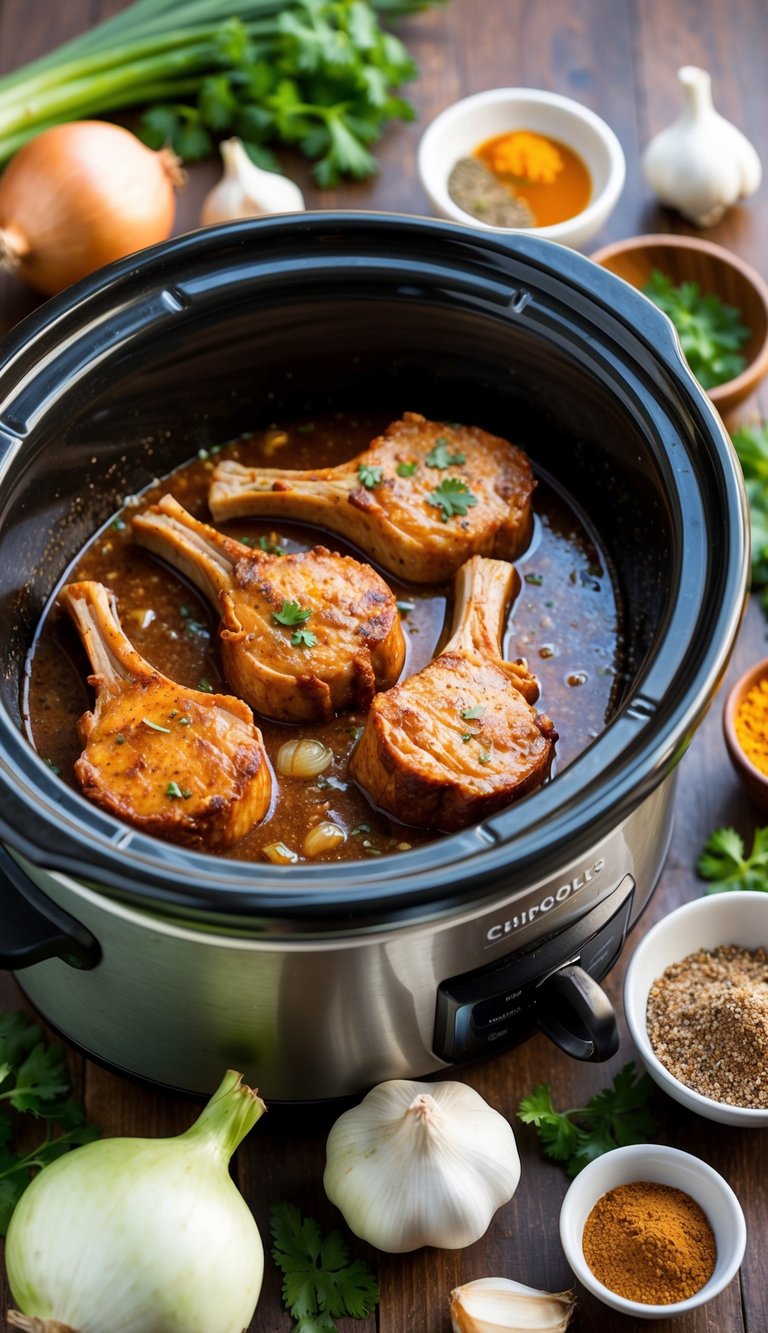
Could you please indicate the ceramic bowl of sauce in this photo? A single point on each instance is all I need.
(523, 159)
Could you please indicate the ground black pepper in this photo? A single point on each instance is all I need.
(707, 1021)
(473, 186)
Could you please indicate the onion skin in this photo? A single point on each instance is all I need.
(142, 1235)
(81, 195)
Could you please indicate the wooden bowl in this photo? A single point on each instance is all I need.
(715, 269)
(755, 782)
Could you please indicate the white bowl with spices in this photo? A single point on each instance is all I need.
(555, 131)
(696, 1004)
(622, 1211)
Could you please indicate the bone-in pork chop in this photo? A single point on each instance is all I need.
(302, 635)
(460, 739)
(420, 501)
(175, 762)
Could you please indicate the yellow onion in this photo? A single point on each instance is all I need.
(78, 196)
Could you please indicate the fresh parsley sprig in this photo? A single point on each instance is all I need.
(451, 497)
(751, 445)
(614, 1117)
(710, 331)
(292, 613)
(321, 1283)
(33, 1079)
(724, 863)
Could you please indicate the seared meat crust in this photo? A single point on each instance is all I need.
(394, 520)
(460, 739)
(356, 643)
(174, 762)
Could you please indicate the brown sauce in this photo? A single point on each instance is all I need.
(559, 185)
(565, 622)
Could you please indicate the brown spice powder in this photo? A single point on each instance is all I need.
(650, 1243)
(707, 1021)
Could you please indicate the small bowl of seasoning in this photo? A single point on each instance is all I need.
(716, 300)
(745, 728)
(652, 1231)
(696, 1004)
(512, 159)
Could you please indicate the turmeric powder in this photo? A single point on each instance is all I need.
(751, 725)
(528, 156)
(650, 1243)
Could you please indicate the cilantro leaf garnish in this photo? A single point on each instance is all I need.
(369, 476)
(452, 497)
(321, 1282)
(710, 331)
(441, 457)
(33, 1078)
(723, 862)
(303, 638)
(469, 714)
(406, 469)
(176, 793)
(291, 613)
(613, 1118)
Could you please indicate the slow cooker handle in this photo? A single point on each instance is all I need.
(572, 1004)
(32, 928)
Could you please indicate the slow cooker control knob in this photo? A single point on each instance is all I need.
(576, 1014)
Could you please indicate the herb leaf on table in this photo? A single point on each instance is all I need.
(723, 862)
(34, 1080)
(711, 332)
(751, 445)
(320, 1281)
(612, 1118)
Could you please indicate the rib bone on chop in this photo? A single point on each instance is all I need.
(460, 739)
(393, 520)
(174, 762)
(358, 646)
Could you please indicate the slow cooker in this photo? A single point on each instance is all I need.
(321, 980)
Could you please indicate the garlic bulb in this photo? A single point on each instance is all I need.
(701, 164)
(498, 1305)
(246, 191)
(420, 1164)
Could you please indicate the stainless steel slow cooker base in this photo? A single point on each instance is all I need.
(324, 1017)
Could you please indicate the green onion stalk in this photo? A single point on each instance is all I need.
(319, 74)
(141, 1235)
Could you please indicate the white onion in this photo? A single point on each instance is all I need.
(142, 1235)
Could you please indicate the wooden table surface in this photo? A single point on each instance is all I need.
(619, 57)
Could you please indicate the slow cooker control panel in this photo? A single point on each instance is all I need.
(498, 1005)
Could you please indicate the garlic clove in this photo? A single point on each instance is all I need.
(247, 191)
(499, 1305)
(701, 164)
